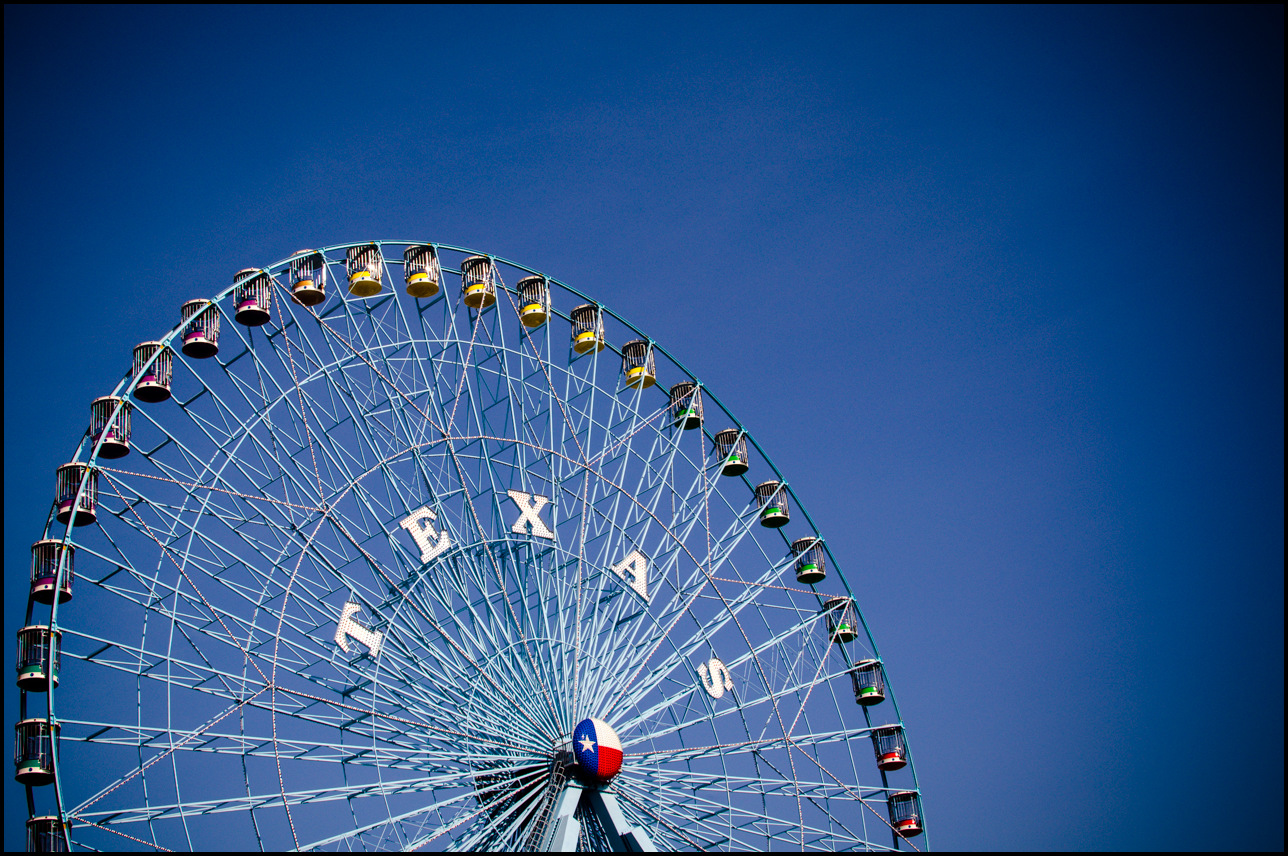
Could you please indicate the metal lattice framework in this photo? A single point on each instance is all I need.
(363, 571)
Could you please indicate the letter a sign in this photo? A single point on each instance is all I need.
(634, 572)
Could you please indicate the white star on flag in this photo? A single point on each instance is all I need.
(587, 744)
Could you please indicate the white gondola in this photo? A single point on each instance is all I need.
(46, 556)
(686, 405)
(109, 426)
(421, 271)
(868, 677)
(890, 747)
(253, 296)
(69, 488)
(905, 813)
(33, 751)
(587, 328)
(534, 300)
(39, 652)
(811, 560)
(842, 621)
(771, 496)
(638, 365)
(46, 834)
(365, 268)
(152, 376)
(200, 320)
(731, 450)
(308, 278)
(478, 282)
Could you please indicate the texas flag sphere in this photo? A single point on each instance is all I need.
(597, 749)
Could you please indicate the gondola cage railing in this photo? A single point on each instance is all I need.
(33, 751)
(46, 556)
(308, 278)
(731, 450)
(771, 497)
(252, 297)
(842, 622)
(905, 813)
(686, 405)
(365, 268)
(478, 282)
(46, 834)
(587, 328)
(811, 560)
(868, 677)
(534, 300)
(152, 376)
(421, 271)
(890, 747)
(200, 319)
(74, 504)
(109, 426)
(39, 655)
(638, 364)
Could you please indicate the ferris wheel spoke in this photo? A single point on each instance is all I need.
(120, 816)
(203, 607)
(655, 634)
(200, 677)
(408, 839)
(394, 747)
(509, 617)
(244, 745)
(418, 363)
(794, 692)
(559, 428)
(693, 785)
(743, 827)
(694, 781)
(508, 824)
(491, 834)
(656, 474)
(630, 656)
(681, 653)
(789, 647)
(357, 401)
(303, 407)
(812, 758)
(471, 669)
(620, 522)
(204, 468)
(440, 633)
(663, 822)
(764, 744)
(450, 695)
(209, 609)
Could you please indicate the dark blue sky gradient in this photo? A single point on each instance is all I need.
(1000, 291)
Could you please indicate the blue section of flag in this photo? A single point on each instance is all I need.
(583, 734)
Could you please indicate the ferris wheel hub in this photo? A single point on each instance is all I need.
(596, 750)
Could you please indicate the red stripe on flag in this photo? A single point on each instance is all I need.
(610, 761)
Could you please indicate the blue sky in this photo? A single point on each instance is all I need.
(1001, 290)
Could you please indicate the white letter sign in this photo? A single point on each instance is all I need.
(349, 627)
(530, 506)
(634, 572)
(420, 523)
(720, 680)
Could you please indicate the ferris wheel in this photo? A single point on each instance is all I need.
(397, 545)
